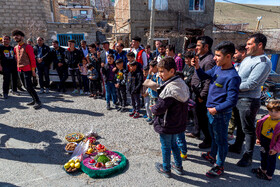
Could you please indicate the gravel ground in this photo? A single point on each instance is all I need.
(32, 146)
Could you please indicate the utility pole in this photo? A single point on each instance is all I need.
(152, 26)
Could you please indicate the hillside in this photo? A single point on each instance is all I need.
(227, 13)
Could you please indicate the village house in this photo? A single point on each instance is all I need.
(176, 21)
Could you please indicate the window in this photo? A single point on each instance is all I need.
(196, 5)
(160, 4)
(83, 12)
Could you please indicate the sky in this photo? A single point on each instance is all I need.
(258, 2)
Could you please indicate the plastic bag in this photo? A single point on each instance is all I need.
(81, 148)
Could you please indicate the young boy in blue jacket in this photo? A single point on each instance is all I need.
(222, 97)
(170, 115)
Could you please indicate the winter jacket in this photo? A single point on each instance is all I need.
(135, 81)
(106, 73)
(45, 55)
(275, 140)
(58, 56)
(171, 110)
(93, 73)
(200, 88)
(121, 77)
(73, 58)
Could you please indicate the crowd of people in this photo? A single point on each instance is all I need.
(209, 90)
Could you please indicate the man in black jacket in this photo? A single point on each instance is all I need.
(73, 58)
(43, 62)
(58, 58)
(9, 66)
(200, 90)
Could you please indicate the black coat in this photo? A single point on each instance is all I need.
(73, 58)
(106, 72)
(134, 81)
(46, 55)
(58, 56)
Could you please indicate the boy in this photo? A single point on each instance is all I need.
(153, 75)
(146, 97)
(134, 85)
(170, 115)
(108, 72)
(223, 95)
(93, 80)
(131, 58)
(121, 75)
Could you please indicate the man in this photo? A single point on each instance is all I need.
(73, 58)
(120, 54)
(238, 57)
(162, 52)
(170, 51)
(200, 90)
(9, 67)
(26, 65)
(58, 58)
(139, 51)
(106, 51)
(42, 55)
(253, 71)
(83, 48)
(156, 52)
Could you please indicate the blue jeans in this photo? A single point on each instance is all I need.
(168, 143)
(218, 128)
(110, 92)
(181, 142)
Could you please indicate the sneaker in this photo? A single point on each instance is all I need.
(5, 96)
(245, 161)
(108, 107)
(191, 135)
(81, 92)
(208, 157)
(15, 93)
(41, 91)
(136, 115)
(151, 122)
(95, 97)
(47, 91)
(145, 116)
(184, 156)
(115, 106)
(204, 145)
(160, 169)
(119, 109)
(178, 170)
(21, 89)
(31, 103)
(75, 91)
(216, 171)
(234, 149)
(37, 105)
(132, 114)
(149, 119)
(123, 109)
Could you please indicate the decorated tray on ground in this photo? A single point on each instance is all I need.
(103, 163)
(74, 137)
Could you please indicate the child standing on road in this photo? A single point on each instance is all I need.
(121, 76)
(84, 72)
(170, 115)
(134, 85)
(108, 71)
(268, 130)
(146, 96)
(222, 97)
(93, 80)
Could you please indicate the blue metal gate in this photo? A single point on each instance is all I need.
(63, 39)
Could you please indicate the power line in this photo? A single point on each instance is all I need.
(248, 6)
